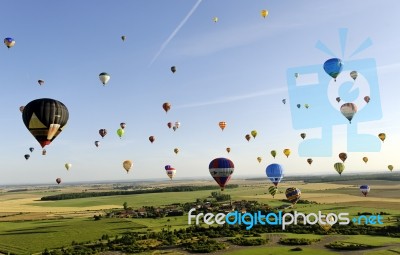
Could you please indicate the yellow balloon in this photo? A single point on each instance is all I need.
(365, 159)
(286, 152)
(382, 136)
(127, 164)
(264, 13)
(390, 167)
(259, 159)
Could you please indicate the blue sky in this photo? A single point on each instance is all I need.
(233, 70)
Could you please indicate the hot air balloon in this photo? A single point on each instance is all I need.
(127, 164)
(45, 118)
(343, 156)
(166, 106)
(365, 159)
(309, 161)
(228, 149)
(338, 99)
(248, 137)
(103, 132)
(43, 152)
(58, 180)
(27, 156)
(293, 195)
(167, 167)
(284, 101)
(221, 169)
(339, 167)
(272, 190)
(123, 38)
(152, 139)
(366, 99)
(173, 69)
(222, 125)
(254, 133)
(68, 166)
(97, 143)
(104, 78)
(259, 159)
(31, 149)
(264, 13)
(21, 108)
(353, 74)
(215, 19)
(382, 136)
(306, 106)
(177, 124)
(286, 152)
(390, 167)
(296, 75)
(169, 124)
(364, 189)
(9, 42)
(274, 172)
(303, 135)
(298, 106)
(327, 225)
(171, 172)
(174, 128)
(120, 132)
(176, 150)
(41, 82)
(273, 153)
(333, 67)
(348, 110)
(122, 125)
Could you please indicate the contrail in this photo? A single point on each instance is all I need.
(175, 31)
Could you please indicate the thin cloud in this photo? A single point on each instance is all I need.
(175, 31)
(235, 98)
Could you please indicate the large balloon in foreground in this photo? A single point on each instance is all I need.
(343, 156)
(221, 169)
(9, 42)
(68, 166)
(348, 110)
(274, 172)
(390, 167)
(127, 164)
(27, 156)
(222, 125)
(382, 136)
(166, 106)
(171, 172)
(365, 159)
(45, 118)
(293, 195)
(58, 180)
(273, 153)
(333, 67)
(339, 167)
(272, 190)
(104, 78)
(286, 152)
(264, 13)
(103, 132)
(365, 189)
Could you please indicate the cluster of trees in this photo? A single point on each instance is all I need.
(132, 192)
(297, 241)
(204, 245)
(348, 246)
(248, 241)
(219, 197)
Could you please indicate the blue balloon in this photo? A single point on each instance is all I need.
(167, 167)
(333, 67)
(274, 173)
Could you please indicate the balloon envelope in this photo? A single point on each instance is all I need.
(103, 132)
(309, 161)
(339, 167)
(221, 169)
(248, 137)
(152, 139)
(228, 149)
(286, 152)
(45, 118)
(293, 195)
(31, 149)
(171, 172)
(365, 159)
(343, 156)
(272, 190)
(274, 173)
(97, 143)
(58, 180)
(68, 166)
(303, 135)
(264, 13)
(120, 132)
(354, 75)
(254, 133)
(166, 106)
(9, 42)
(259, 159)
(27, 156)
(127, 164)
(104, 78)
(333, 67)
(365, 189)
(366, 99)
(222, 125)
(173, 69)
(382, 136)
(390, 167)
(273, 153)
(348, 110)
